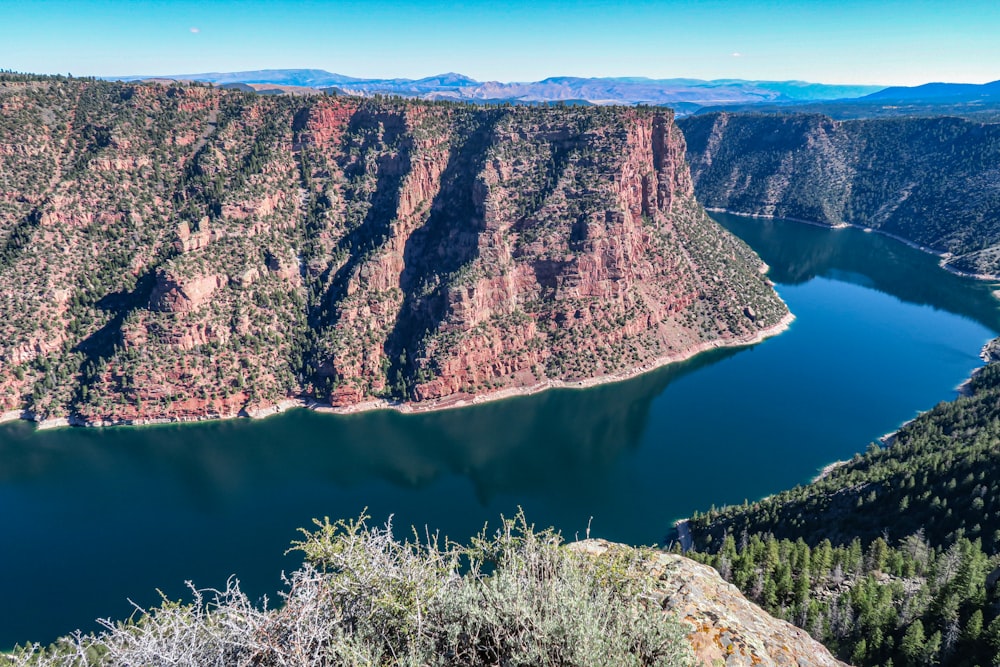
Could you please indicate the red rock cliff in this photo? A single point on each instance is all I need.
(250, 249)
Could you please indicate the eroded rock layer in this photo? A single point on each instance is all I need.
(181, 252)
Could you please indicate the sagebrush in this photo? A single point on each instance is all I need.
(363, 597)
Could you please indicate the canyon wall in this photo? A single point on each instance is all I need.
(932, 181)
(179, 252)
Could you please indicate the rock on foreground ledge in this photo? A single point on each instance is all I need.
(726, 628)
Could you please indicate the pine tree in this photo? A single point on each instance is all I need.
(913, 643)
(974, 626)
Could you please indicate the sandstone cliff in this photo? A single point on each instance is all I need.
(931, 181)
(180, 251)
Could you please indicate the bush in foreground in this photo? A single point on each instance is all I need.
(365, 598)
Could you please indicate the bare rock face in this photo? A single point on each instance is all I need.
(179, 295)
(169, 247)
(991, 351)
(726, 628)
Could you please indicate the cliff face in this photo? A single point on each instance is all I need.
(174, 252)
(932, 181)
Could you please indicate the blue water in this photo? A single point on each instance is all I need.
(90, 517)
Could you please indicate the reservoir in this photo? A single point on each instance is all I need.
(90, 518)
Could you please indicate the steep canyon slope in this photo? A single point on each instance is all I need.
(176, 252)
(932, 181)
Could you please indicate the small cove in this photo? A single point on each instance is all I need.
(91, 517)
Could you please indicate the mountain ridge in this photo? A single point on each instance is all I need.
(605, 90)
(939, 91)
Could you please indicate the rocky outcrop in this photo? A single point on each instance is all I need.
(524, 599)
(346, 251)
(991, 351)
(177, 295)
(726, 628)
(30, 350)
(930, 181)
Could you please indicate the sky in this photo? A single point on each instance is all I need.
(886, 42)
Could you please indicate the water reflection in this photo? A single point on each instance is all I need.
(797, 253)
(90, 518)
(501, 447)
(94, 517)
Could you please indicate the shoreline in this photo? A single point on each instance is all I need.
(943, 257)
(886, 440)
(964, 389)
(825, 471)
(767, 216)
(446, 403)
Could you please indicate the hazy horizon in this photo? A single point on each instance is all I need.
(430, 75)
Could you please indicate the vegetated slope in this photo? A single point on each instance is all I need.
(182, 251)
(894, 555)
(985, 110)
(931, 181)
(518, 597)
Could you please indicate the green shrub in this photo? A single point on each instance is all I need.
(516, 597)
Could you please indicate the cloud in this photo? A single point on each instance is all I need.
(736, 54)
(195, 30)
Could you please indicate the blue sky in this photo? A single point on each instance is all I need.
(840, 41)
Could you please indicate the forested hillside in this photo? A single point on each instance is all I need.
(893, 556)
(180, 251)
(932, 181)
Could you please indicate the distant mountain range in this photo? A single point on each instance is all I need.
(958, 92)
(683, 94)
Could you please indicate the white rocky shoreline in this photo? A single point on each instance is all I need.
(458, 401)
(412, 408)
(944, 257)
